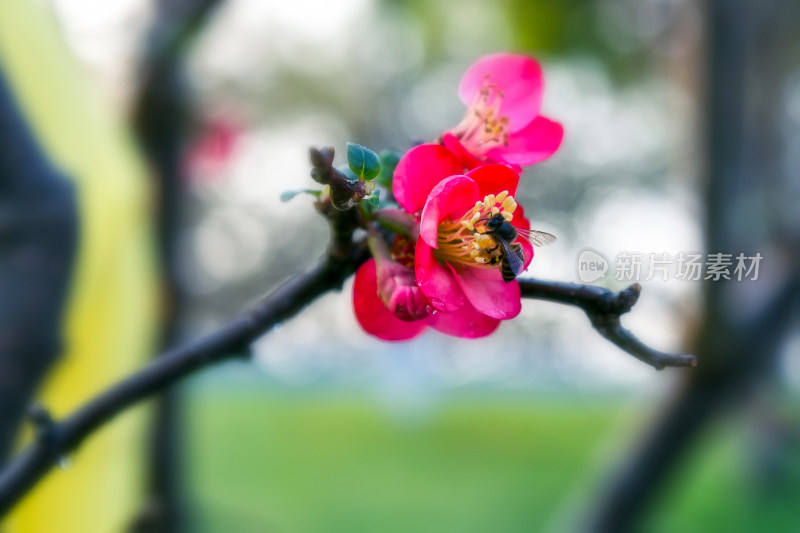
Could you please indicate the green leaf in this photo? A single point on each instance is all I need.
(389, 160)
(288, 195)
(363, 162)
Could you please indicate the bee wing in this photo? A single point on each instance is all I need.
(536, 237)
(513, 255)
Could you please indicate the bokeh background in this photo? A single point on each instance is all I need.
(681, 119)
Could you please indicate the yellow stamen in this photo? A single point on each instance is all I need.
(483, 128)
(466, 240)
(509, 204)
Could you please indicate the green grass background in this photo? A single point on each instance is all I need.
(262, 459)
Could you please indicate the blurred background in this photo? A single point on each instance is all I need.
(180, 122)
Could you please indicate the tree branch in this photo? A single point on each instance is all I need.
(163, 112)
(56, 439)
(604, 307)
(59, 438)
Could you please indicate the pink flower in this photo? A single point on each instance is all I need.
(502, 124)
(456, 285)
(457, 264)
(390, 306)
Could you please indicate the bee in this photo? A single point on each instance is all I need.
(512, 260)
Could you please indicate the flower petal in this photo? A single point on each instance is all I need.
(419, 171)
(466, 322)
(372, 315)
(454, 145)
(486, 290)
(450, 199)
(436, 281)
(518, 77)
(494, 179)
(536, 142)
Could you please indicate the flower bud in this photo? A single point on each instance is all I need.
(397, 285)
(398, 291)
(321, 163)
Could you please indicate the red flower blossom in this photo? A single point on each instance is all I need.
(503, 93)
(457, 264)
(456, 285)
(376, 319)
(455, 261)
(389, 305)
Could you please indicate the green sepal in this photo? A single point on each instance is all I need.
(371, 203)
(389, 160)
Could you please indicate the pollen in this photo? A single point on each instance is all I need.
(467, 240)
(508, 203)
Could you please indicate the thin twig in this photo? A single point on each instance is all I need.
(604, 307)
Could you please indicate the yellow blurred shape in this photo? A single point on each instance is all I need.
(112, 312)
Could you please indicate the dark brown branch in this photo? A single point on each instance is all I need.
(56, 439)
(745, 51)
(232, 341)
(604, 307)
(163, 113)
